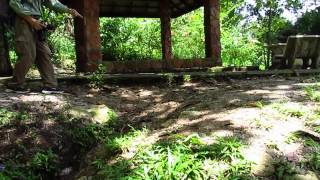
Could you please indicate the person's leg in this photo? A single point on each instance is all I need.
(306, 63)
(25, 49)
(43, 62)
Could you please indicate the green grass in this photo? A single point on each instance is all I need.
(181, 158)
(42, 165)
(9, 117)
(291, 109)
(313, 92)
(284, 169)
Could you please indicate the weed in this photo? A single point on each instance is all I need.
(98, 164)
(169, 77)
(44, 161)
(291, 109)
(284, 169)
(292, 137)
(313, 92)
(314, 161)
(187, 78)
(227, 149)
(259, 104)
(97, 79)
(6, 116)
(88, 135)
(317, 129)
(311, 143)
(262, 123)
(273, 145)
(41, 166)
(183, 158)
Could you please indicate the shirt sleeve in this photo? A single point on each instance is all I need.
(18, 8)
(56, 6)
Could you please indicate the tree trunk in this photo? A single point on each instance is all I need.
(5, 66)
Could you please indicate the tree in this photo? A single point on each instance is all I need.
(268, 15)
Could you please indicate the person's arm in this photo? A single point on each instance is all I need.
(25, 13)
(59, 7)
(34, 23)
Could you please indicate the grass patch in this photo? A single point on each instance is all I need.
(284, 169)
(42, 165)
(182, 158)
(313, 92)
(7, 116)
(291, 109)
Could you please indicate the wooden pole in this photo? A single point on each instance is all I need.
(166, 30)
(87, 35)
(5, 66)
(212, 31)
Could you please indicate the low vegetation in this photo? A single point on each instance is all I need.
(182, 158)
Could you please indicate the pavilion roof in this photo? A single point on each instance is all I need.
(145, 8)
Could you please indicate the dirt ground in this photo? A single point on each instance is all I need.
(209, 107)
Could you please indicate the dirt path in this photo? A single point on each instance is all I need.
(247, 108)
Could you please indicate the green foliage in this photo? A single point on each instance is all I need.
(239, 49)
(313, 92)
(314, 161)
(309, 23)
(63, 48)
(291, 109)
(7, 117)
(41, 165)
(45, 162)
(187, 78)
(188, 36)
(130, 39)
(284, 169)
(97, 78)
(89, 135)
(122, 142)
(260, 104)
(170, 78)
(182, 158)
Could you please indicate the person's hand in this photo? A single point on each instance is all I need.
(75, 13)
(34, 23)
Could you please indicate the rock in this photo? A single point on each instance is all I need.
(97, 114)
(309, 176)
(262, 163)
(79, 112)
(316, 123)
(100, 114)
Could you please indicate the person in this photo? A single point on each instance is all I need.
(30, 48)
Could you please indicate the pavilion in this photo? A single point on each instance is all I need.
(88, 42)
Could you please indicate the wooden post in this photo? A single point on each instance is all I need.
(87, 35)
(212, 31)
(5, 66)
(165, 12)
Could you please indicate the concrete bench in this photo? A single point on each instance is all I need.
(277, 51)
(305, 47)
